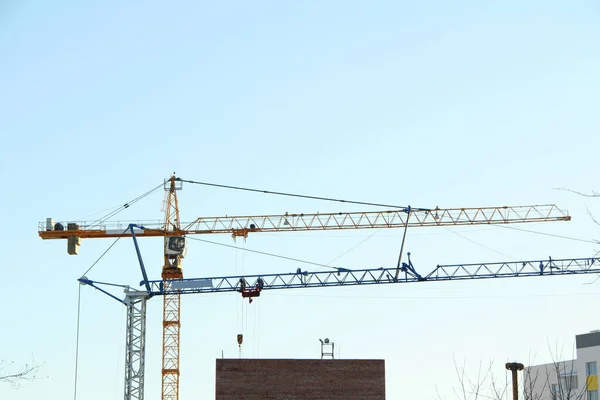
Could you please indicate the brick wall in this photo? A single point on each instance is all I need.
(300, 379)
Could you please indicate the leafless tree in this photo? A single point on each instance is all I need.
(16, 375)
(593, 194)
(483, 386)
(555, 382)
(558, 381)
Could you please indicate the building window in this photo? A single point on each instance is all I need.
(591, 368)
(568, 383)
(592, 395)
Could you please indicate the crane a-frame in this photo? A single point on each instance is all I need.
(174, 233)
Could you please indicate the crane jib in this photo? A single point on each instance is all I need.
(243, 225)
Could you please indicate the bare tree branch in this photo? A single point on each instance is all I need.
(593, 194)
(15, 377)
(558, 382)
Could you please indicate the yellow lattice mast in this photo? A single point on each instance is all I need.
(172, 269)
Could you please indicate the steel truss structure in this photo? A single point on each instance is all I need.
(135, 344)
(171, 328)
(345, 277)
(172, 270)
(243, 225)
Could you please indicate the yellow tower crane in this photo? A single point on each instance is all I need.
(174, 233)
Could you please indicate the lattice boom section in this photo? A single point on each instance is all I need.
(134, 360)
(171, 326)
(241, 226)
(378, 219)
(513, 269)
(303, 279)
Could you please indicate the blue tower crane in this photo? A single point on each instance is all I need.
(251, 286)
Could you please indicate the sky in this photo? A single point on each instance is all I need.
(449, 104)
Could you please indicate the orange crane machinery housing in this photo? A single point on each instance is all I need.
(174, 233)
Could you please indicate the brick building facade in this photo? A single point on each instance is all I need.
(271, 379)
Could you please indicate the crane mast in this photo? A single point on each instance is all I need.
(172, 270)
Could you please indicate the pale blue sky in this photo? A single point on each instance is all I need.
(457, 104)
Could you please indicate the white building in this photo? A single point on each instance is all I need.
(567, 380)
